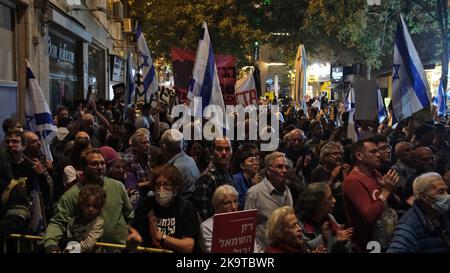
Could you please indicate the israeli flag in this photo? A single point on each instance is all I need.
(411, 92)
(441, 101)
(146, 65)
(382, 113)
(352, 129)
(37, 113)
(205, 80)
(129, 92)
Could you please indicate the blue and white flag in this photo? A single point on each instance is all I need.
(440, 101)
(37, 113)
(352, 130)
(381, 108)
(129, 91)
(146, 66)
(205, 80)
(411, 92)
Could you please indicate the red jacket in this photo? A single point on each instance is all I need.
(362, 205)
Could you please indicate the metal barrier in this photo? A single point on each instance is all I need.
(32, 238)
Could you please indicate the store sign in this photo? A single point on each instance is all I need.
(60, 51)
(116, 70)
(62, 55)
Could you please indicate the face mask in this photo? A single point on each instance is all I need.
(442, 203)
(163, 197)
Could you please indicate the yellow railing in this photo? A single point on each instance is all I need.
(119, 246)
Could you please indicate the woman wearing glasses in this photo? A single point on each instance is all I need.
(167, 220)
(318, 224)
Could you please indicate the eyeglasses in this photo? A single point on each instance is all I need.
(280, 167)
(95, 164)
(335, 153)
(13, 141)
(164, 186)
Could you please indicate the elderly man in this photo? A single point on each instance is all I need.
(333, 171)
(139, 159)
(424, 228)
(172, 147)
(216, 174)
(331, 167)
(269, 194)
(117, 211)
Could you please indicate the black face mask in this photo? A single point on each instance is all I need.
(64, 121)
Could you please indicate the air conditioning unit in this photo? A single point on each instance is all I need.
(127, 25)
(117, 11)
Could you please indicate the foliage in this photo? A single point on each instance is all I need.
(177, 23)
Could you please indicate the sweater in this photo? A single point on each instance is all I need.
(117, 212)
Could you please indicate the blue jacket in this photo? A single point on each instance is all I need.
(241, 187)
(415, 233)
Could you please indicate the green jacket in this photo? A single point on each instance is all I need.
(117, 213)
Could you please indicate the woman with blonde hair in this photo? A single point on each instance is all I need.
(285, 233)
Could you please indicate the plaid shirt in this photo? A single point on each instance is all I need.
(138, 167)
(205, 186)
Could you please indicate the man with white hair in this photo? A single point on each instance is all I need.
(172, 147)
(139, 159)
(424, 227)
(271, 193)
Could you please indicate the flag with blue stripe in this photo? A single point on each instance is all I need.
(411, 92)
(441, 101)
(146, 67)
(129, 92)
(205, 80)
(381, 108)
(37, 112)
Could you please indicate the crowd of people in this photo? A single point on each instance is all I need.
(127, 178)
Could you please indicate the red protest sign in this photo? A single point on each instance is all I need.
(234, 232)
(183, 63)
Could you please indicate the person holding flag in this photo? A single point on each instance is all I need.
(31, 171)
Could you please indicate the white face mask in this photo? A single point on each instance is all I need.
(442, 203)
(164, 197)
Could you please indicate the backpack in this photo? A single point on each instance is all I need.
(385, 226)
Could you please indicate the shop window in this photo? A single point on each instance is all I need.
(7, 45)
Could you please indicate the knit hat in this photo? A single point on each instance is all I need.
(109, 154)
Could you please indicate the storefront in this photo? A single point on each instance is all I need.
(8, 80)
(96, 71)
(64, 70)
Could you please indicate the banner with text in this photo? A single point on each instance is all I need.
(234, 232)
(183, 63)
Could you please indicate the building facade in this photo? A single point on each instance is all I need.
(71, 45)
